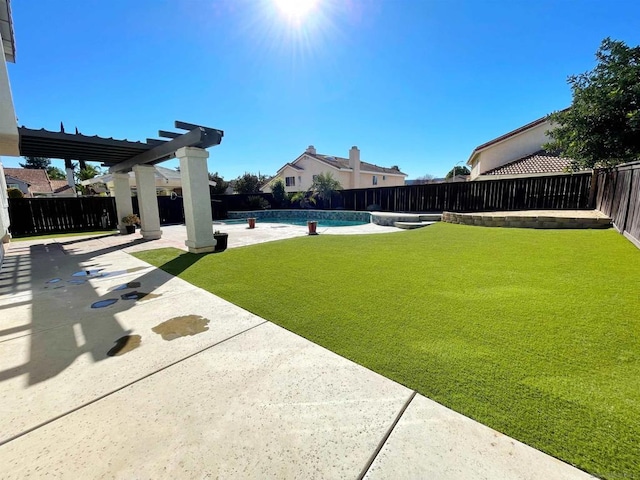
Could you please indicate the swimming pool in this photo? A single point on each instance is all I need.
(325, 218)
(322, 223)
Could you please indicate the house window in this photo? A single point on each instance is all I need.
(375, 180)
(290, 181)
(384, 177)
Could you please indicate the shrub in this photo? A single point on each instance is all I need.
(255, 202)
(14, 193)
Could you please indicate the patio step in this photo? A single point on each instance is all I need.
(412, 225)
(391, 218)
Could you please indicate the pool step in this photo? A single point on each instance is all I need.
(412, 225)
(392, 218)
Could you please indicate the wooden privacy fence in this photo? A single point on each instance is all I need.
(618, 196)
(559, 192)
(38, 216)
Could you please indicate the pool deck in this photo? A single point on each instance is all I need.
(239, 398)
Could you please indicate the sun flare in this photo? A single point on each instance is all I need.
(296, 10)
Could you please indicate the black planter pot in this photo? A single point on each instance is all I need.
(130, 229)
(221, 241)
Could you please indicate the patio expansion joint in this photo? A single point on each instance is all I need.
(386, 436)
(127, 385)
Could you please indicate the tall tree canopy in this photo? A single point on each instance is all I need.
(55, 173)
(221, 185)
(458, 170)
(41, 163)
(248, 183)
(89, 171)
(602, 126)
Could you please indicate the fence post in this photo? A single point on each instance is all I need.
(593, 188)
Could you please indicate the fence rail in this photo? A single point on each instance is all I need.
(559, 192)
(618, 196)
(38, 216)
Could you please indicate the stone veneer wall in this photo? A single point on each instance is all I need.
(346, 215)
(522, 221)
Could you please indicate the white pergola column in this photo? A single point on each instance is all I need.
(197, 200)
(148, 201)
(122, 193)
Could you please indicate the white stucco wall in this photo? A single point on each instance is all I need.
(510, 149)
(8, 123)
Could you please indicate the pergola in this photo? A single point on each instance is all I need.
(122, 156)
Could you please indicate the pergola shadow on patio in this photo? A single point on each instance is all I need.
(122, 156)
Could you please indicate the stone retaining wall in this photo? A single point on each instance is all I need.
(523, 221)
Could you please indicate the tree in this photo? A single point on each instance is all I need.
(602, 126)
(247, 183)
(458, 170)
(88, 172)
(428, 178)
(55, 173)
(40, 163)
(279, 193)
(221, 185)
(324, 185)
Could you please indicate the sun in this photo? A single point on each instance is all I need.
(296, 10)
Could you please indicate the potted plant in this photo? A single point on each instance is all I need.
(130, 221)
(221, 241)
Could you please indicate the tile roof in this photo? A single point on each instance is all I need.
(37, 178)
(539, 162)
(339, 162)
(59, 185)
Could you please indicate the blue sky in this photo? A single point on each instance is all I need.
(417, 84)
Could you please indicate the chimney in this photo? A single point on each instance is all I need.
(354, 163)
(311, 149)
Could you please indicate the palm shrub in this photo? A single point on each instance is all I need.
(324, 185)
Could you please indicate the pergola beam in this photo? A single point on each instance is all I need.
(200, 137)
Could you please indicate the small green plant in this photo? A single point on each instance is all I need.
(131, 219)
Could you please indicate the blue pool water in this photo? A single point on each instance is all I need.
(322, 223)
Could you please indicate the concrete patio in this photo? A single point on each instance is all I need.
(171, 381)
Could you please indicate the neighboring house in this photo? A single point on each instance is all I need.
(517, 153)
(168, 181)
(34, 182)
(351, 172)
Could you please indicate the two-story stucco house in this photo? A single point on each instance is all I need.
(517, 153)
(350, 172)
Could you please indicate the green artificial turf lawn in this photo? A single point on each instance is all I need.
(535, 333)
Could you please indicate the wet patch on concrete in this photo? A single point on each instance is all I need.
(54, 280)
(139, 296)
(89, 273)
(125, 286)
(177, 327)
(104, 303)
(77, 281)
(124, 345)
